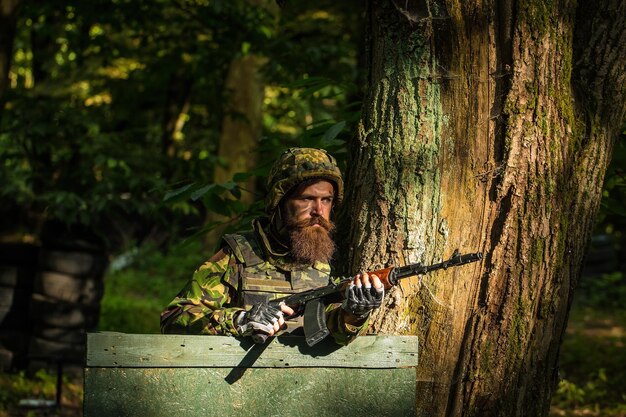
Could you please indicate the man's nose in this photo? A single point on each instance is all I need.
(316, 207)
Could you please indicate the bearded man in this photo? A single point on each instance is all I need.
(288, 251)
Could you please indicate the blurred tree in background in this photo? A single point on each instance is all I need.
(110, 104)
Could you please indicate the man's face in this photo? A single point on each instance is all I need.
(307, 218)
(310, 201)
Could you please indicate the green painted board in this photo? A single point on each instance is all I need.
(282, 392)
(158, 375)
(110, 349)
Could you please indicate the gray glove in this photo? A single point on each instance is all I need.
(259, 319)
(360, 300)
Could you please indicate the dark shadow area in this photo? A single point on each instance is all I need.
(254, 351)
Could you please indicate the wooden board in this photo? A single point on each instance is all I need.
(164, 376)
(110, 349)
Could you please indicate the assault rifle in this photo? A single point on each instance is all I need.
(312, 300)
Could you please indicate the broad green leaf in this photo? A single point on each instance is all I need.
(201, 192)
(333, 131)
(178, 194)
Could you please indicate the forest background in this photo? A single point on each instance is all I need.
(147, 127)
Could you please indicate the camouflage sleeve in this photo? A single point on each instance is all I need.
(204, 306)
(343, 332)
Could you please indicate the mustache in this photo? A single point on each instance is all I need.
(301, 224)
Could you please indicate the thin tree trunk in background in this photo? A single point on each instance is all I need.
(242, 127)
(176, 106)
(241, 131)
(8, 21)
(487, 126)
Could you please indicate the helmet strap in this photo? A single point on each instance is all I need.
(277, 225)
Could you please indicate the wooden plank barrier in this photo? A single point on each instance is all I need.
(180, 375)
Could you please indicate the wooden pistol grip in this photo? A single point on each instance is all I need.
(383, 274)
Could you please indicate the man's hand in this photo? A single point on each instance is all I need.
(363, 294)
(262, 319)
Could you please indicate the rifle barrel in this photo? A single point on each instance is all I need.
(419, 269)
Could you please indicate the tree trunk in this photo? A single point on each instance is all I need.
(8, 21)
(241, 131)
(487, 126)
(242, 127)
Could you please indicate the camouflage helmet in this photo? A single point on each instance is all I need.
(300, 164)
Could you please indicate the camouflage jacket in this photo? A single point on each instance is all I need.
(245, 271)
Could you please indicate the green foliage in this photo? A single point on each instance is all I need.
(313, 66)
(111, 103)
(18, 386)
(592, 363)
(593, 366)
(136, 294)
(589, 399)
(75, 172)
(309, 86)
(85, 136)
(606, 291)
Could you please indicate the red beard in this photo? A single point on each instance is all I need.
(310, 243)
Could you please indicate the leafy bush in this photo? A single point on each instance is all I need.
(589, 399)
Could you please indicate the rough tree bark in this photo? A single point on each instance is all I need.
(487, 125)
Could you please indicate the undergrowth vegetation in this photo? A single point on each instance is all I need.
(17, 389)
(135, 295)
(592, 359)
